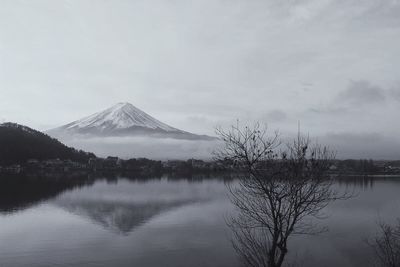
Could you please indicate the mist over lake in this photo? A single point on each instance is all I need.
(149, 147)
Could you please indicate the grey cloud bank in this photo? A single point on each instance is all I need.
(362, 93)
(333, 65)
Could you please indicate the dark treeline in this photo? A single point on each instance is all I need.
(361, 165)
(20, 143)
(33, 150)
(365, 166)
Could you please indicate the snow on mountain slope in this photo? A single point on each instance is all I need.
(120, 116)
(122, 119)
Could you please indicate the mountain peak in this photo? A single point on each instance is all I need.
(123, 115)
(122, 119)
(123, 104)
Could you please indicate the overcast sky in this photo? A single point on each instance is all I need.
(334, 65)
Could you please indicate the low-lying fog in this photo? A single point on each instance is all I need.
(149, 147)
(346, 146)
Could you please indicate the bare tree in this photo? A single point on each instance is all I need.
(280, 190)
(386, 245)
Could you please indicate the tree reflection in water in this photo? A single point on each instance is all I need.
(19, 192)
(386, 245)
(281, 192)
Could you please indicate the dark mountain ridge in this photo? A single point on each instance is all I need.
(19, 143)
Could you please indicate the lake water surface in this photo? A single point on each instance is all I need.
(170, 222)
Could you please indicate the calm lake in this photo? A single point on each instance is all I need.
(169, 222)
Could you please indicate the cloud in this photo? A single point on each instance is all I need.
(362, 93)
(358, 95)
(276, 115)
(362, 145)
(395, 92)
(330, 110)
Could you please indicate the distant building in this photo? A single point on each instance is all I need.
(15, 168)
(32, 161)
(198, 164)
(333, 168)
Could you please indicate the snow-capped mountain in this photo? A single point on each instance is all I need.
(122, 119)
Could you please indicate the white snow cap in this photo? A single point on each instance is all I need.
(120, 116)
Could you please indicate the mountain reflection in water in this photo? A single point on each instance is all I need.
(123, 206)
(114, 221)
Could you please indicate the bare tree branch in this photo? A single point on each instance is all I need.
(279, 192)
